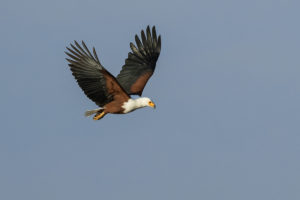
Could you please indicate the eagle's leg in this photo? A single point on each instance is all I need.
(99, 115)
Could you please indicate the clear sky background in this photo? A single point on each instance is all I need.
(226, 86)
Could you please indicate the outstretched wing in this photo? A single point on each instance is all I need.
(95, 81)
(140, 64)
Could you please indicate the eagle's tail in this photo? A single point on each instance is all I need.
(91, 112)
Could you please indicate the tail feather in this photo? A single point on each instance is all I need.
(91, 112)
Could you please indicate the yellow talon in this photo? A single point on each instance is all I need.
(99, 116)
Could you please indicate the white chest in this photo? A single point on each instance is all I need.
(132, 104)
(129, 106)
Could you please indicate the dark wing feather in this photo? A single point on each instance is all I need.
(141, 62)
(96, 82)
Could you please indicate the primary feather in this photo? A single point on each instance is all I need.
(141, 62)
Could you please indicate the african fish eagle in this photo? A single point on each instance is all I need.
(112, 94)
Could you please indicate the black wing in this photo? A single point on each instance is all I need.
(140, 64)
(95, 81)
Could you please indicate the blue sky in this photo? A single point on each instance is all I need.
(226, 88)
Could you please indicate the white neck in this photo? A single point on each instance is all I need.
(133, 104)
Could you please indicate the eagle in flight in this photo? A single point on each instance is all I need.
(112, 94)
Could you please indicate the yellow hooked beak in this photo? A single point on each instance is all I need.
(151, 104)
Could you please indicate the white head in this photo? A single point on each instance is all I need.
(145, 101)
(133, 104)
